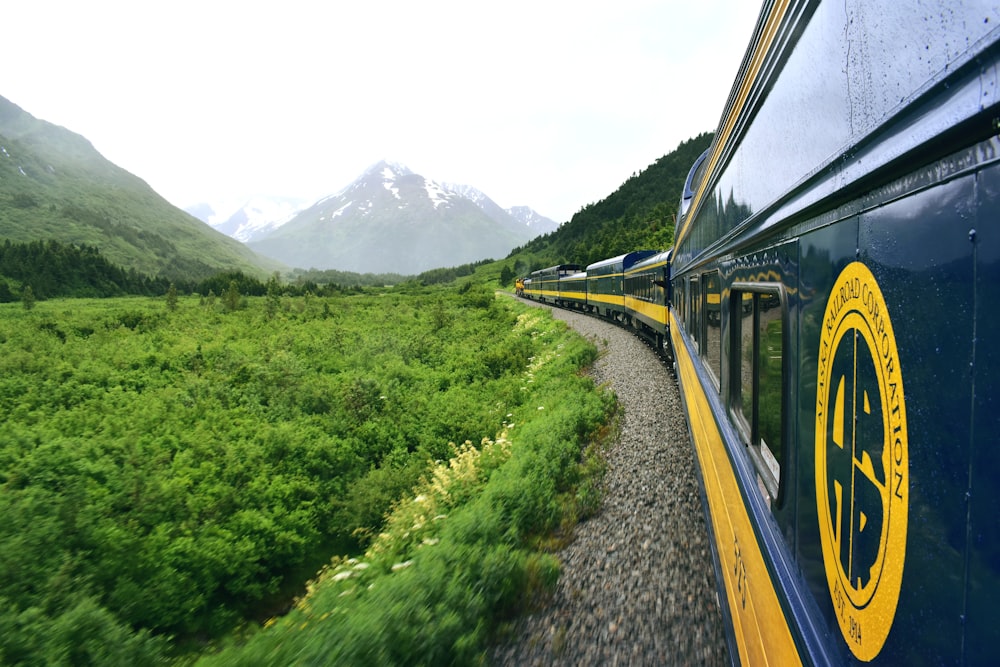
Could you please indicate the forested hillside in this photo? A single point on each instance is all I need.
(639, 214)
(55, 185)
(52, 269)
(40, 270)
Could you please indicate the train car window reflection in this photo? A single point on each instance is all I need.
(769, 385)
(759, 395)
(712, 351)
(694, 318)
(743, 328)
(680, 296)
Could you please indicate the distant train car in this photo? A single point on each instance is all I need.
(647, 296)
(606, 283)
(835, 323)
(543, 285)
(573, 291)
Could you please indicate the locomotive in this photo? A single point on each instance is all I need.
(832, 307)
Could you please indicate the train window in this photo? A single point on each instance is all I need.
(712, 350)
(684, 300)
(694, 313)
(758, 400)
(680, 296)
(640, 286)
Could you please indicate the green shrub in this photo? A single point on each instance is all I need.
(181, 474)
(460, 554)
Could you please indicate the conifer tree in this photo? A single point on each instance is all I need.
(28, 297)
(506, 276)
(231, 297)
(172, 298)
(273, 299)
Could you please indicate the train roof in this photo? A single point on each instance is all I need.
(694, 177)
(653, 260)
(557, 270)
(620, 262)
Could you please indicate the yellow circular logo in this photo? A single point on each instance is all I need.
(862, 461)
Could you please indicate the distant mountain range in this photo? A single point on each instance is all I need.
(392, 220)
(55, 185)
(255, 219)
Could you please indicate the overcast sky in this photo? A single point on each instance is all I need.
(549, 104)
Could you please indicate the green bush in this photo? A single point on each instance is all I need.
(461, 554)
(179, 474)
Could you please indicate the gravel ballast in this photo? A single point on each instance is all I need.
(637, 586)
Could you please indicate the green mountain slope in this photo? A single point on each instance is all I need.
(55, 185)
(639, 214)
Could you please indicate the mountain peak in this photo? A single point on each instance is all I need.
(392, 220)
(395, 168)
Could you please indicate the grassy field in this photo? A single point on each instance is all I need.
(173, 474)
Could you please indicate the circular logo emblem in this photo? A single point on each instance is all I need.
(862, 463)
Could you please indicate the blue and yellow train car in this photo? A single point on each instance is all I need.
(573, 291)
(647, 297)
(606, 283)
(846, 422)
(543, 284)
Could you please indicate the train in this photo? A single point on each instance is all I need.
(831, 310)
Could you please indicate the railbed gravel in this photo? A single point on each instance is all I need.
(637, 586)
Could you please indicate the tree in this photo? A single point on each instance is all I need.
(28, 297)
(273, 299)
(506, 276)
(231, 297)
(172, 298)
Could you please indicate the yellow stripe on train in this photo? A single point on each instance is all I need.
(654, 311)
(759, 624)
(618, 300)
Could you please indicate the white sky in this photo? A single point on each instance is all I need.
(549, 104)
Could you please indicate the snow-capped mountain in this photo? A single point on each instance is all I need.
(260, 216)
(202, 211)
(533, 220)
(520, 216)
(255, 218)
(392, 220)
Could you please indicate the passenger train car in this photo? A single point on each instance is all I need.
(631, 289)
(832, 304)
(847, 423)
(543, 285)
(606, 283)
(646, 285)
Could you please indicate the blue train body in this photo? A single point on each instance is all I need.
(832, 304)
